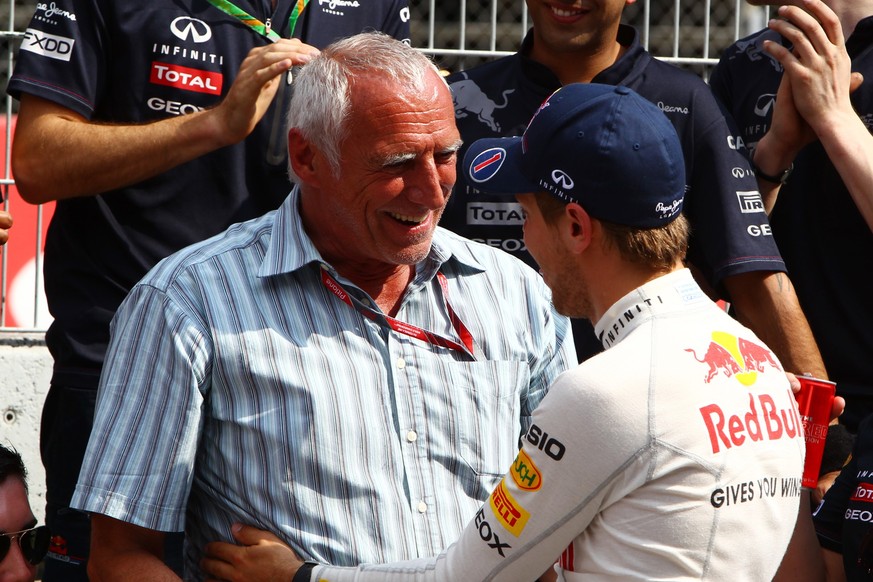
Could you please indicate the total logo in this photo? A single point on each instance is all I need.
(864, 492)
(186, 78)
(734, 357)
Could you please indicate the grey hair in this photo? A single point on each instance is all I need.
(320, 107)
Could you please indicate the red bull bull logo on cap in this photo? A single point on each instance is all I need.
(735, 357)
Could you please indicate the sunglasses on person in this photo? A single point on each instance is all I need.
(34, 543)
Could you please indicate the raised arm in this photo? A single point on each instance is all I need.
(767, 303)
(820, 81)
(59, 154)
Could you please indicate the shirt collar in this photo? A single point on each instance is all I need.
(666, 293)
(615, 74)
(634, 59)
(291, 249)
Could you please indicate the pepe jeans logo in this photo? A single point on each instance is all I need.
(51, 10)
(668, 210)
(562, 180)
(184, 27)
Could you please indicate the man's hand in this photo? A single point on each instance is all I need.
(90, 157)
(260, 556)
(824, 481)
(839, 402)
(5, 225)
(813, 97)
(256, 85)
(818, 68)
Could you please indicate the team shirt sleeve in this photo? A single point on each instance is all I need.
(62, 57)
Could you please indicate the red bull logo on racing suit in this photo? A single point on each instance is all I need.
(766, 416)
(734, 357)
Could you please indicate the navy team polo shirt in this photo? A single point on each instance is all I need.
(132, 62)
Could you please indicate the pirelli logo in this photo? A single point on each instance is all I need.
(512, 515)
(525, 473)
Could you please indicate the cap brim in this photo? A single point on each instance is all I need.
(493, 165)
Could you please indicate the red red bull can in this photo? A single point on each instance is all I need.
(814, 403)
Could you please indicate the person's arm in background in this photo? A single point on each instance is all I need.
(123, 552)
(766, 302)
(5, 225)
(813, 101)
(90, 157)
(805, 560)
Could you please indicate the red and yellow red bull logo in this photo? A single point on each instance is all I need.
(512, 515)
(735, 357)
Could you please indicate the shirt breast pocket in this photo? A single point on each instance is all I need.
(484, 412)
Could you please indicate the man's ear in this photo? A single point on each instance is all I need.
(301, 156)
(576, 228)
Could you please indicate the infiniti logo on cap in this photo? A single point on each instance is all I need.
(560, 178)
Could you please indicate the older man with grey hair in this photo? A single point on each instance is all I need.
(340, 371)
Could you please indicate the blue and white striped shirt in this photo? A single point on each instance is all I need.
(238, 388)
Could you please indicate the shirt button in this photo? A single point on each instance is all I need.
(411, 436)
(422, 507)
(401, 363)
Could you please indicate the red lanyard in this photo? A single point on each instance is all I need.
(416, 332)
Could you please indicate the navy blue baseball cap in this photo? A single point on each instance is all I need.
(604, 147)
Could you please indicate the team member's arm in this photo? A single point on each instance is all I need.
(88, 158)
(122, 552)
(766, 302)
(819, 82)
(5, 225)
(804, 560)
